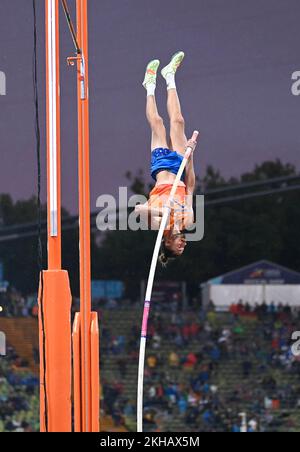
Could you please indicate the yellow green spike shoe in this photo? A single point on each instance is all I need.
(174, 64)
(151, 73)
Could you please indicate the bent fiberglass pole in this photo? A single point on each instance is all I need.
(148, 297)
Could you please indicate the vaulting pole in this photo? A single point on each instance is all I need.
(54, 290)
(150, 283)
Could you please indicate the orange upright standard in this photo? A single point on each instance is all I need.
(54, 292)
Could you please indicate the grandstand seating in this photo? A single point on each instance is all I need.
(22, 335)
(227, 376)
(237, 391)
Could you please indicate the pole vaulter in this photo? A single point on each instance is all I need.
(54, 292)
(151, 277)
(170, 202)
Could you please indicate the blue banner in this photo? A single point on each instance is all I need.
(262, 272)
(107, 289)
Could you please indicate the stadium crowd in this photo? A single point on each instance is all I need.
(204, 369)
(14, 304)
(19, 395)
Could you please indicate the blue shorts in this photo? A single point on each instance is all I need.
(163, 159)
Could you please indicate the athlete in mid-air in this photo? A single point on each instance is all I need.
(165, 162)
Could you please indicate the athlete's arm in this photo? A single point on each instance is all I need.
(190, 182)
(150, 215)
(190, 178)
(146, 210)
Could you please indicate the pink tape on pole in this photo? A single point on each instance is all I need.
(145, 318)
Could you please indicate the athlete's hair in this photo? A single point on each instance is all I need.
(166, 255)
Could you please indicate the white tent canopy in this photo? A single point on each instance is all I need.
(257, 283)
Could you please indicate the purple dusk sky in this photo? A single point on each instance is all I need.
(235, 87)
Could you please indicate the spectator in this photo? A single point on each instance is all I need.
(174, 359)
(152, 362)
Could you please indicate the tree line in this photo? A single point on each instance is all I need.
(236, 234)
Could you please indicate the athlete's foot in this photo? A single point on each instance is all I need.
(174, 64)
(151, 73)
